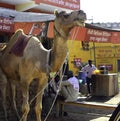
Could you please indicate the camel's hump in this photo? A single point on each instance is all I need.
(19, 31)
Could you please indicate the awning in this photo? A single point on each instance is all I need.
(26, 16)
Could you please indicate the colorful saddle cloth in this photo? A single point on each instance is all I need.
(19, 46)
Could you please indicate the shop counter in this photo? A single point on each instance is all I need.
(105, 84)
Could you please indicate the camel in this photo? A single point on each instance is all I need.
(2, 46)
(3, 86)
(36, 61)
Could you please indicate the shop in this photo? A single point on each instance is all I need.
(24, 14)
(6, 28)
(92, 42)
(99, 44)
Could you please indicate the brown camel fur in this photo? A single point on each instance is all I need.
(2, 46)
(3, 84)
(34, 62)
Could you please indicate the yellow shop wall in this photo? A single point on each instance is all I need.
(101, 54)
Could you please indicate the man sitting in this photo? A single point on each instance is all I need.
(70, 88)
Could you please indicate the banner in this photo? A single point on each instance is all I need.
(115, 37)
(104, 52)
(6, 24)
(68, 4)
(94, 35)
(90, 35)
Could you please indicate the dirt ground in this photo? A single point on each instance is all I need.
(81, 113)
(86, 114)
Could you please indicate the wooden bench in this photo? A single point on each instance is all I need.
(96, 105)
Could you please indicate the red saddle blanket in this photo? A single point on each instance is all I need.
(20, 44)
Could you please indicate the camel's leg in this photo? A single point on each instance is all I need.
(38, 107)
(3, 92)
(25, 105)
(3, 87)
(13, 95)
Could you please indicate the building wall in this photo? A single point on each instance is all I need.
(27, 26)
(77, 55)
(101, 53)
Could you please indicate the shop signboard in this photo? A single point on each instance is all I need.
(6, 24)
(94, 35)
(104, 52)
(68, 4)
(115, 37)
(109, 63)
(109, 66)
(117, 51)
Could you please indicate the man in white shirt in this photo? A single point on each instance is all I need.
(88, 69)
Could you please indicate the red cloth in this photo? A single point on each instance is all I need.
(20, 45)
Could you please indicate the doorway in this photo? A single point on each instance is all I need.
(118, 65)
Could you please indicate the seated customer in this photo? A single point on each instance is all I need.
(70, 88)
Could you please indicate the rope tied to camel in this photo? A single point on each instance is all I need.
(61, 75)
(48, 64)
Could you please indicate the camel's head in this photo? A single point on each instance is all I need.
(69, 20)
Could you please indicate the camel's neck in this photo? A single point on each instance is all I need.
(59, 51)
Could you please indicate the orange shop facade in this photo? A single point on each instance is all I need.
(100, 45)
(8, 26)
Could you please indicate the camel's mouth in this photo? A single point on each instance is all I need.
(81, 23)
(80, 20)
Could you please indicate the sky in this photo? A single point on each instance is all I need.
(101, 10)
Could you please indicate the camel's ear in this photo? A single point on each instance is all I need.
(56, 13)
